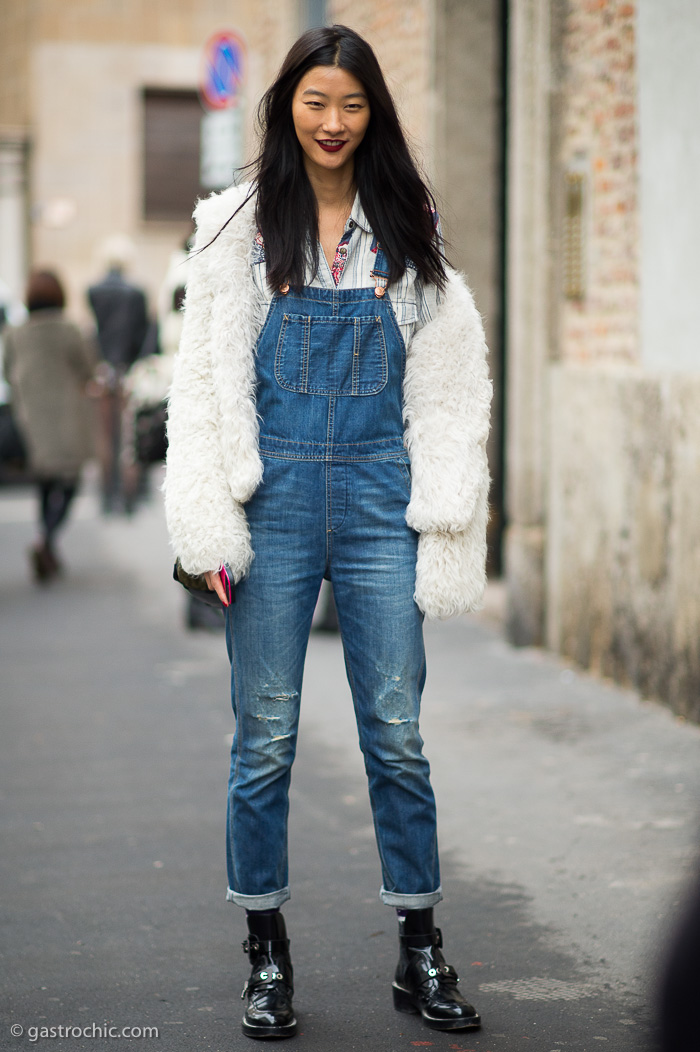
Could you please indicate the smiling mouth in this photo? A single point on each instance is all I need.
(331, 145)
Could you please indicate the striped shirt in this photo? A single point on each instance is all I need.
(414, 302)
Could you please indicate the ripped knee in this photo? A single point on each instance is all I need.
(280, 722)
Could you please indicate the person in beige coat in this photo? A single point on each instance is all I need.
(47, 366)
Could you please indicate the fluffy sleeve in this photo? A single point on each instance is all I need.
(207, 525)
(447, 405)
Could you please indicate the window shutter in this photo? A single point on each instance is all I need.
(171, 137)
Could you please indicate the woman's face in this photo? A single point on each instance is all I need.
(331, 112)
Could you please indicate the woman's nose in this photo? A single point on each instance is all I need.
(333, 121)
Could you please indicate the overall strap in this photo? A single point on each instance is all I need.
(380, 273)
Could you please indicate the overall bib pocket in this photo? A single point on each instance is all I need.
(331, 355)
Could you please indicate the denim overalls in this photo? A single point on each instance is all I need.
(332, 504)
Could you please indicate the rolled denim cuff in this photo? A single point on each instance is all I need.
(410, 902)
(259, 902)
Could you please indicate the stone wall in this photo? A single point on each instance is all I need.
(623, 554)
(622, 524)
(401, 33)
(530, 339)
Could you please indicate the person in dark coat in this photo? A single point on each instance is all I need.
(120, 310)
(680, 979)
(48, 364)
(121, 317)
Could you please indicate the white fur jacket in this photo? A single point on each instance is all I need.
(213, 464)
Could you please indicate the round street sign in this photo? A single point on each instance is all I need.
(223, 69)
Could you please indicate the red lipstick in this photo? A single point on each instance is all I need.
(331, 145)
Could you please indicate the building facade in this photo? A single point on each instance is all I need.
(603, 358)
(81, 81)
(574, 219)
(100, 124)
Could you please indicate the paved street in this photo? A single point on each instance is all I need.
(568, 817)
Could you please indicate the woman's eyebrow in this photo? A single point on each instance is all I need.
(322, 94)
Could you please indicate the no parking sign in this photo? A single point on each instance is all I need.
(220, 89)
(223, 70)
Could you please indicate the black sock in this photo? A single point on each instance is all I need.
(416, 922)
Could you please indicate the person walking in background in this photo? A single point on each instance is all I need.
(147, 382)
(145, 389)
(328, 419)
(47, 366)
(121, 317)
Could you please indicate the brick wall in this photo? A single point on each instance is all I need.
(599, 139)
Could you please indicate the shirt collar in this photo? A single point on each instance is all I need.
(358, 217)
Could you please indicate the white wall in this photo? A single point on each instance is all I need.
(669, 127)
(13, 208)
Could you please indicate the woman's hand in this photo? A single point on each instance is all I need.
(214, 583)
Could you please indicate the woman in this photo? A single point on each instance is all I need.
(47, 365)
(328, 357)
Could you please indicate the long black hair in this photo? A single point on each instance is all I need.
(398, 204)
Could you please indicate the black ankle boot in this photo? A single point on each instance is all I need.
(424, 983)
(271, 985)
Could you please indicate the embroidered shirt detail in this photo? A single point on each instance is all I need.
(341, 254)
(258, 249)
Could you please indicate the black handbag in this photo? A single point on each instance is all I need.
(150, 435)
(196, 585)
(13, 451)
